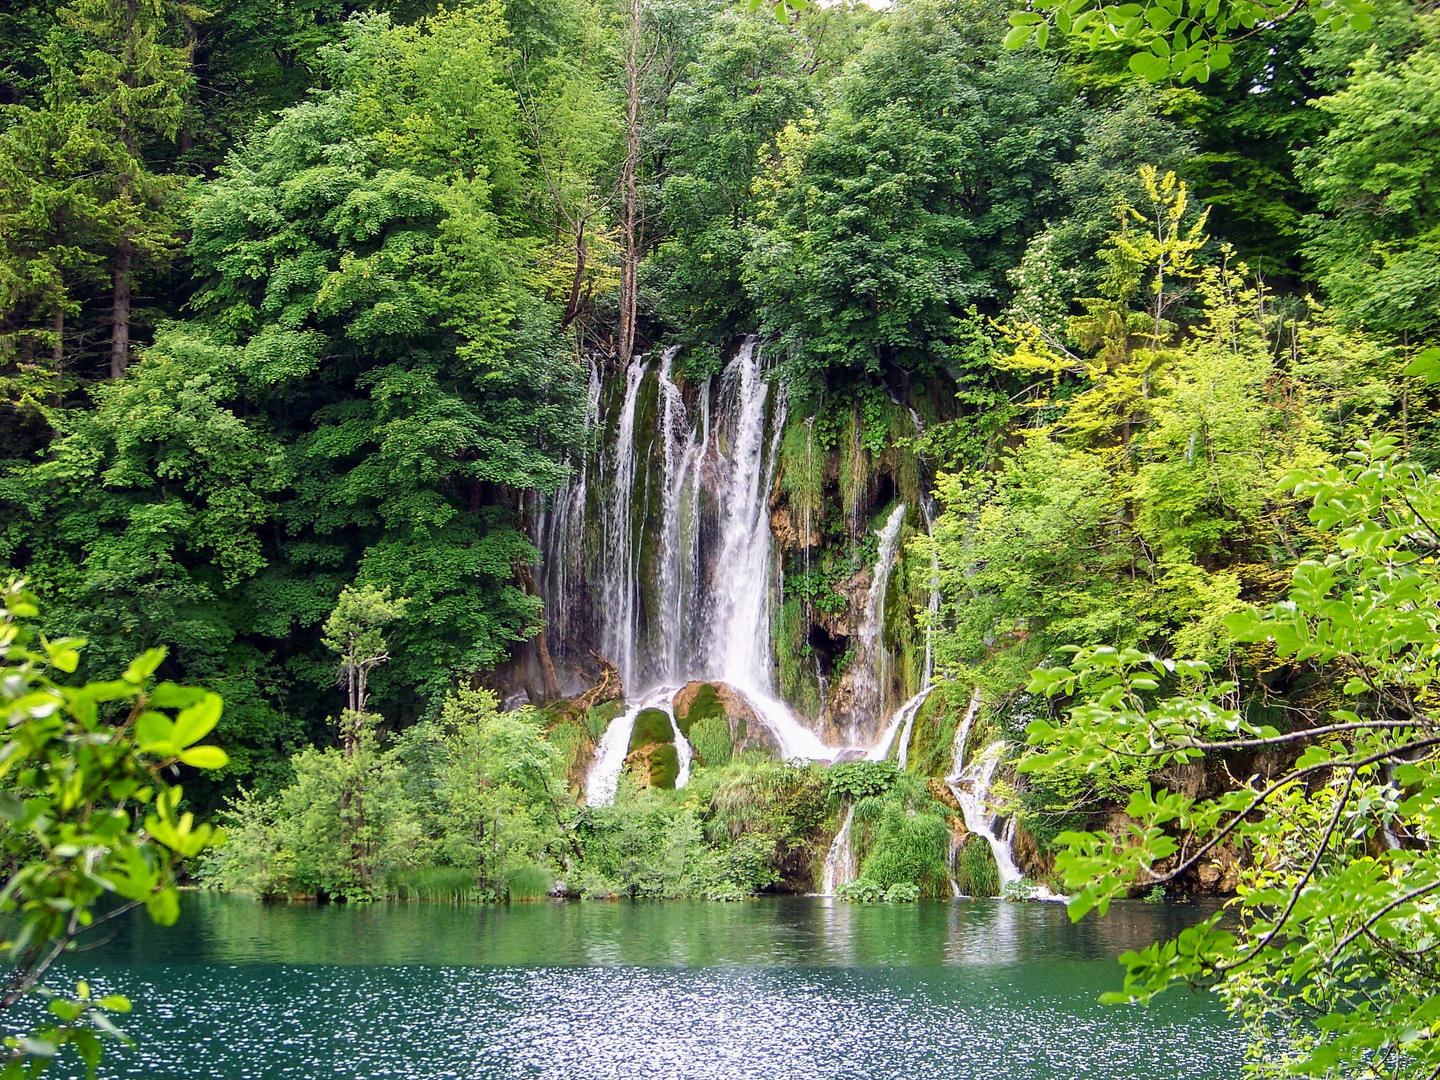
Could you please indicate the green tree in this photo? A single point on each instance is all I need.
(915, 197)
(354, 633)
(744, 87)
(367, 253)
(1374, 240)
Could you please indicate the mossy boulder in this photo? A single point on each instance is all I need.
(651, 726)
(720, 723)
(655, 765)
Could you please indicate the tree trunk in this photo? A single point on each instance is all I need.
(57, 351)
(631, 200)
(572, 306)
(120, 316)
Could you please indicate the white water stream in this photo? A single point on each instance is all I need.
(617, 581)
(873, 668)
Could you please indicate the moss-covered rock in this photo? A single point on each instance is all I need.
(655, 765)
(697, 701)
(651, 726)
(701, 701)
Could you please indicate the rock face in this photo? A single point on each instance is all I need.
(791, 535)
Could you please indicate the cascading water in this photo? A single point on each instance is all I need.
(872, 673)
(617, 577)
(604, 776)
(840, 859)
(560, 532)
(699, 608)
(970, 783)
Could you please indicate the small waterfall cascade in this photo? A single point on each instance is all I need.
(840, 859)
(604, 775)
(603, 779)
(972, 788)
(970, 784)
(873, 670)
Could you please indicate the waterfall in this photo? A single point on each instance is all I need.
(979, 818)
(740, 628)
(840, 859)
(604, 776)
(682, 749)
(901, 722)
(679, 536)
(971, 786)
(617, 578)
(560, 533)
(872, 674)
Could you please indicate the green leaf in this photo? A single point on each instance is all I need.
(143, 666)
(204, 757)
(194, 723)
(1426, 365)
(164, 906)
(1017, 37)
(167, 695)
(155, 733)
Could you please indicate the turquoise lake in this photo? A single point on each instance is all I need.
(783, 988)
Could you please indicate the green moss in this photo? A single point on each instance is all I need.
(706, 706)
(932, 738)
(651, 726)
(664, 765)
(975, 871)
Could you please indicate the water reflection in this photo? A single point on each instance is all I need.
(772, 932)
(790, 989)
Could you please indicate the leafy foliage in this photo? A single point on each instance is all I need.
(1340, 868)
(90, 817)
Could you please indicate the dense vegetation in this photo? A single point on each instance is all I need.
(296, 309)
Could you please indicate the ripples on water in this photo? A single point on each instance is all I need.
(784, 989)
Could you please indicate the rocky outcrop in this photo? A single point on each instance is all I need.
(793, 536)
(716, 708)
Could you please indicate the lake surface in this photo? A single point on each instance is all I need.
(781, 989)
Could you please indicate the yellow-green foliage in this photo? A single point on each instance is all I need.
(710, 739)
